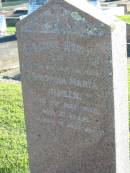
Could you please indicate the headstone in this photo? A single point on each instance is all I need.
(2, 25)
(35, 4)
(74, 78)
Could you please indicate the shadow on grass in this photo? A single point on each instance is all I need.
(8, 38)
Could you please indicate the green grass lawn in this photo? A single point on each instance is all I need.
(11, 29)
(125, 18)
(13, 146)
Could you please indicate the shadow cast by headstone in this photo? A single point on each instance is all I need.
(16, 77)
(8, 38)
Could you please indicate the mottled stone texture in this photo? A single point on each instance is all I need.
(70, 91)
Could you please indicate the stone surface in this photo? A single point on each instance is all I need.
(74, 77)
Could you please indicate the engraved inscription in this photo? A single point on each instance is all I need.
(64, 21)
(68, 70)
(66, 46)
(64, 93)
(85, 70)
(90, 83)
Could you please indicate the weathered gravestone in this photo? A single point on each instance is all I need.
(74, 77)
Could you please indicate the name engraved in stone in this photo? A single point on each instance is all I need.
(67, 46)
(90, 83)
(64, 93)
(83, 71)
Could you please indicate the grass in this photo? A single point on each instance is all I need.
(125, 18)
(13, 146)
(11, 29)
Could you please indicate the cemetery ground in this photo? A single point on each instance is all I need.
(11, 29)
(13, 154)
(13, 146)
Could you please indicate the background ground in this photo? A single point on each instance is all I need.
(13, 145)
